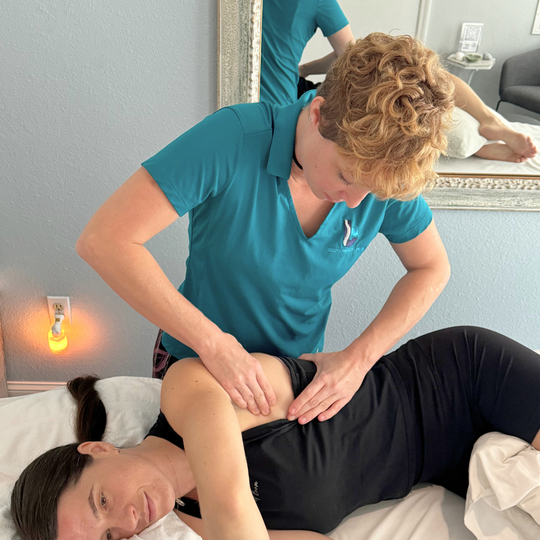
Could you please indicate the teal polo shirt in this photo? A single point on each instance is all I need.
(287, 26)
(251, 269)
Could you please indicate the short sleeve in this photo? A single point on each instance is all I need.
(405, 220)
(330, 18)
(200, 163)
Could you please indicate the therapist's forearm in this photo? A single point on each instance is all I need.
(409, 300)
(133, 273)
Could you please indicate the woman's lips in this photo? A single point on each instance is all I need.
(151, 509)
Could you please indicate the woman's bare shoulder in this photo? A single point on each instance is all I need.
(190, 374)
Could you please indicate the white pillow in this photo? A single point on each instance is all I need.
(170, 527)
(464, 139)
(503, 500)
(34, 424)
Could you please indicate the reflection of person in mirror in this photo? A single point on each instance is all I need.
(282, 201)
(493, 137)
(287, 26)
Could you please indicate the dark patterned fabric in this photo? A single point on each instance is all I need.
(161, 359)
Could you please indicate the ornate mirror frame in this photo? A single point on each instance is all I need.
(239, 59)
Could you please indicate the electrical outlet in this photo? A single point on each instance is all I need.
(59, 303)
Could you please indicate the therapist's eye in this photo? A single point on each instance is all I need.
(344, 180)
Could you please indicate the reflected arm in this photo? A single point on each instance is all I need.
(339, 41)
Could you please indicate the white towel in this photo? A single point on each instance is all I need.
(170, 527)
(503, 500)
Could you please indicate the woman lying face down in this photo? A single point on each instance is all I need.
(415, 419)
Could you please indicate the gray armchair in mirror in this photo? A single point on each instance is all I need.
(458, 187)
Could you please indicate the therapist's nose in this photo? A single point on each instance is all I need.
(354, 196)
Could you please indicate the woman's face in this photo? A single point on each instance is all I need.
(117, 496)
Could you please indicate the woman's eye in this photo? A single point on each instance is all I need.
(103, 501)
(109, 535)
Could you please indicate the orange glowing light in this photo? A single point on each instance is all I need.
(58, 344)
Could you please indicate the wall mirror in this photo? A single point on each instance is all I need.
(239, 49)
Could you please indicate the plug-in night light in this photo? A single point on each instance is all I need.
(58, 344)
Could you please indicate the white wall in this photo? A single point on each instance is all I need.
(89, 90)
(495, 258)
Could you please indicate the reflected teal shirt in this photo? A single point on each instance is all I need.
(251, 269)
(287, 26)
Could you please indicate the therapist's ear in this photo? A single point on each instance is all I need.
(97, 447)
(315, 110)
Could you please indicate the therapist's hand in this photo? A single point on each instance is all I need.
(240, 374)
(339, 376)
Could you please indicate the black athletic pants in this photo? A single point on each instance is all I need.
(461, 383)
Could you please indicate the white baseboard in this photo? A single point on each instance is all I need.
(22, 388)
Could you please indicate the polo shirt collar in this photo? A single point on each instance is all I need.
(282, 146)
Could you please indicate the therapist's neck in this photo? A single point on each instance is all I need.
(297, 174)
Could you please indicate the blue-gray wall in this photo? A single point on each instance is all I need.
(91, 89)
(495, 259)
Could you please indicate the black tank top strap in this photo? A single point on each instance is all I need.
(302, 372)
(190, 507)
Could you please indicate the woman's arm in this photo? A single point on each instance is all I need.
(197, 525)
(339, 41)
(340, 374)
(201, 412)
(113, 244)
(296, 535)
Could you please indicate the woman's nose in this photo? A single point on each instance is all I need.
(128, 520)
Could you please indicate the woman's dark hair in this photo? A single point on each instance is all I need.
(34, 501)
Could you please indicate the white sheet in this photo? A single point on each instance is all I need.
(503, 501)
(32, 424)
(170, 527)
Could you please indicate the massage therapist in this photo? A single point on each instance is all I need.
(282, 201)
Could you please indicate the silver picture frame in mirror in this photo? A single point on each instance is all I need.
(238, 77)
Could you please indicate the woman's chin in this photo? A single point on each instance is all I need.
(160, 507)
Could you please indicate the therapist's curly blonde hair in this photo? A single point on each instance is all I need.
(387, 105)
